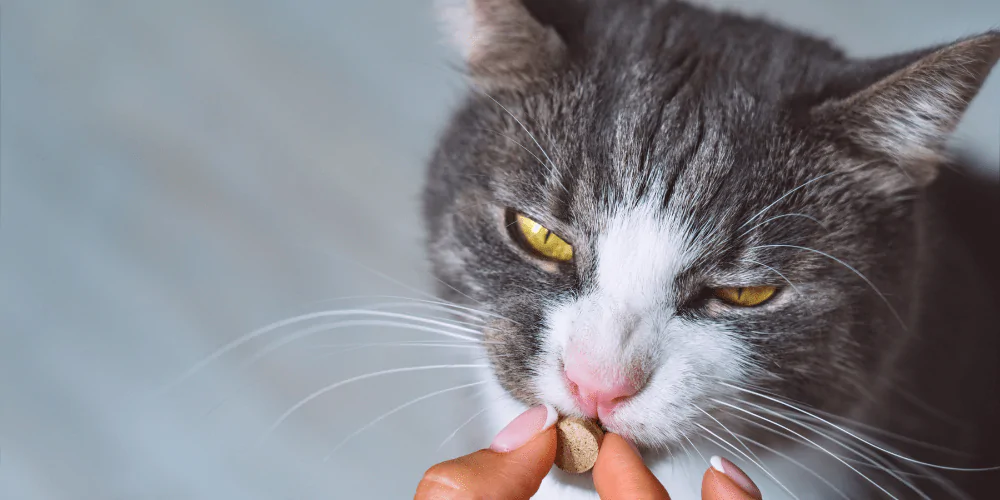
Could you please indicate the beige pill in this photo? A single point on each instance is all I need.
(577, 444)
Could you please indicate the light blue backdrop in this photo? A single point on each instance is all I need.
(175, 174)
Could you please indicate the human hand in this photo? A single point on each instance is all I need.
(513, 467)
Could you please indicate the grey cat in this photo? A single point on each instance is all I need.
(694, 225)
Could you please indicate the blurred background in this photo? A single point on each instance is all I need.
(174, 175)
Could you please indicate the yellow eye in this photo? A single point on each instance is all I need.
(746, 296)
(542, 241)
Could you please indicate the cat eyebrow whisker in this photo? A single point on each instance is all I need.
(776, 217)
(551, 165)
(852, 269)
(511, 139)
(775, 271)
(396, 410)
(381, 373)
(789, 193)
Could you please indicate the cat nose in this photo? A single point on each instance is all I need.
(599, 389)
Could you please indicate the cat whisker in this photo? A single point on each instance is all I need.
(345, 348)
(782, 197)
(707, 462)
(870, 458)
(793, 461)
(816, 445)
(890, 434)
(551, 164)
(400, 283)
(855, 436)
(300, 334)
(404, 343)
(320, 392)
(230, 346)
(776, 217)
(511, 139)
(731, 433)
(464, 424)
(453, 308)
(726, 446)
(775, 271)
(394, 411)
(848, 266)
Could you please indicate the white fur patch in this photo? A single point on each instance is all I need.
(628, 319)
(459, 23)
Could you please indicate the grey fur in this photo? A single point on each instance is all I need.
(725, 115)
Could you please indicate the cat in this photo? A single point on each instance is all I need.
(694, 225)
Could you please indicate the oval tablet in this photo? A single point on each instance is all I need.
(578, 441)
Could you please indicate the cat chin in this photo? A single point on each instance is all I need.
(681, 472)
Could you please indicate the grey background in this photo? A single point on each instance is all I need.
(175, 174)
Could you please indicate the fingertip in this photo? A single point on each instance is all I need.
(491, 474)
(621, 474)
(725, 481)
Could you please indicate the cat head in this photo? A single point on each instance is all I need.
(665, 207)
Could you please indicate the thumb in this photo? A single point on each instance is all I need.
(725, 481)
(511, 469)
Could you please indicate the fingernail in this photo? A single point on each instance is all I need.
(520, 430)
(737, 476)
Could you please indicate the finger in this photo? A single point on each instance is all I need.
(512, 469)
(725, 481)
(620, 473)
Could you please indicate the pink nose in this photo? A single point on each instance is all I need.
(599, 390)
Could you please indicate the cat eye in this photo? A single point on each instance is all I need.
(539, 240)
(748, 296)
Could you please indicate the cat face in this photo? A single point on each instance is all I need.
(664, 216)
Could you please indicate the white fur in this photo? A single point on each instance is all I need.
(628, 319)
(682, 472)
(459, 23)
(629, 316)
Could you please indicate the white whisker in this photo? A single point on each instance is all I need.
(305, 332)
(744, 455)
(871, 458)
(855, 271)
(462, 426)
(849, 433)
(396, 410)
(698, 451)
(468, 312)
(284, 416)
(550, 162)
(797, 463)
(775, 271)
(776, 217)
(301, 318)
(775, 202)
(818, 447)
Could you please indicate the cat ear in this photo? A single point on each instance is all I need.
(908, 113)
(504, 45)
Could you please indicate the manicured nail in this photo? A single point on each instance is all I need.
(520, 430)
(737, 476)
